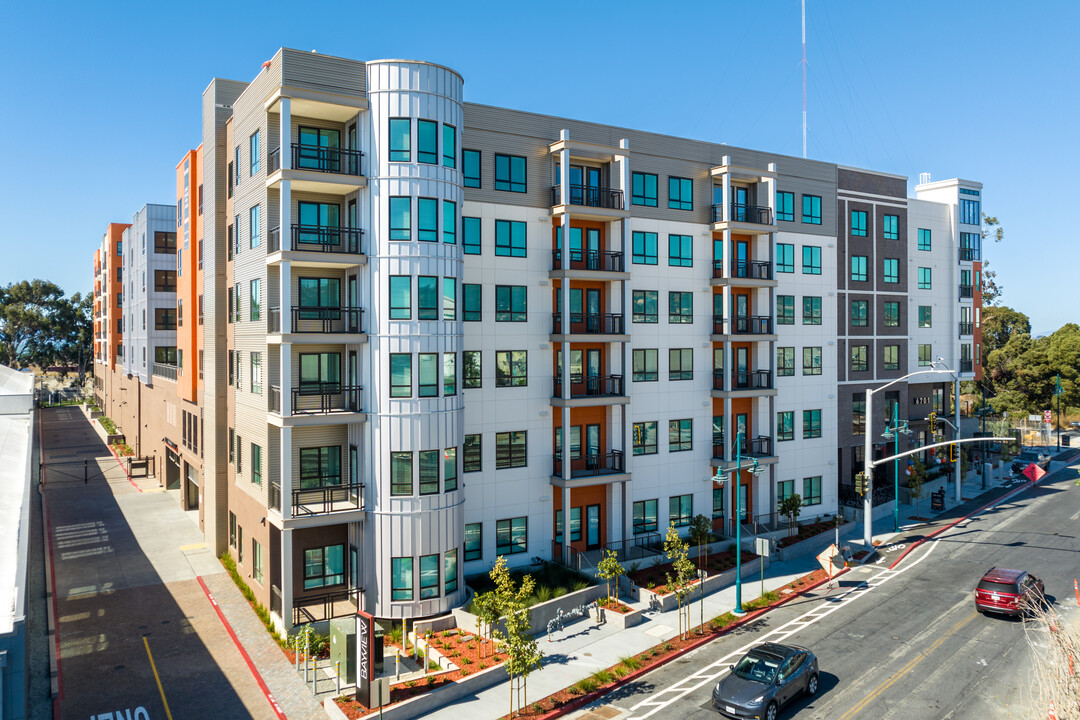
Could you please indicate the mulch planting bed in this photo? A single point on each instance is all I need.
(805, 532)
(654, 577)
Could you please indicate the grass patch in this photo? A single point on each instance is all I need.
(603, 676)
(631, 662)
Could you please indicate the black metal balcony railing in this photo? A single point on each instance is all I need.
(967, 328)
(319, 320)
(590, 196)
(600, 260)
(589, 465)
(603, 324)
(752, 325)
(325, 606)
(315, 398)
(169, 372)
(717, 379)
(718, 324)
(274, 496)
(968, 254)
(602, 386)
(319, 159)
(328, 499)
(274, 399)
(753, 380)
(718, 450)
(760, 446)
(741, 212)
(752, 269)
(966, 366)
(965, 291)
(319, 238)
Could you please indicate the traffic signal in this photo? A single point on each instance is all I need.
(860, 484)
(933, 422)
(953, 452)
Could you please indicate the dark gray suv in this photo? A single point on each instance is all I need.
(764, 680)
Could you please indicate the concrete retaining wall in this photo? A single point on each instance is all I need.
(540, 614)
(449, 693)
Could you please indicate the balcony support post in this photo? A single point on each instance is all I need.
(285, 472)
(285, 134)
(287, 577)
(624, 182)
(285, 364)
(725, 205)
(285, 295)
(566, 508)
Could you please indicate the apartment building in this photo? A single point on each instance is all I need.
(109, 316)
(442, 332)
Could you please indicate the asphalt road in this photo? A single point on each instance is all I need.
(905, 643)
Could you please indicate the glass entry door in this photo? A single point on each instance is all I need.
(592, 526)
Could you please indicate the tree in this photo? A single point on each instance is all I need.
(790, 508)
(991, 291)
(609, 569)
(700, 532)
(1055, 652)
(523, 654)
(73, 333)
(677, 551)
(487, 610)
(27, 323)
(915, 482)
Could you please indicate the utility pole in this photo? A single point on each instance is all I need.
(1058, 393)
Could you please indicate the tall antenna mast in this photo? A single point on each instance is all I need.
(804, 78)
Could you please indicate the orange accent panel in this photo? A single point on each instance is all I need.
(187, 286)
(581, 498)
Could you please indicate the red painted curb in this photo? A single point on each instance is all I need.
(247, 658)
(750, 616)
(121, 463)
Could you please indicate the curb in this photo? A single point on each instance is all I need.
(749, 617)
(121, 464)
(56, 684)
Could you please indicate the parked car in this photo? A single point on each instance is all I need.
(1009, 592)
(1026, 457)
(764, 680)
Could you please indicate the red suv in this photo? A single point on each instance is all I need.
(1009, 592)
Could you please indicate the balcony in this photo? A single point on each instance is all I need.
(744, 270)
(320, 322)
(968, 254)
(610, 463)
(967, 328)
(168, 372)
(743, 213)
(592, 388)
(315, 168)
(965, 292)
(966, 366)
(321, 245)
(717, 324)
(718, 380)
(752, 325)
(588, 262)
(760, 447)
(580, 324)
(323, 500)
(590, 196)
(315, 399)
(753, 380)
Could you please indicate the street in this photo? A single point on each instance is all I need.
(903, 643)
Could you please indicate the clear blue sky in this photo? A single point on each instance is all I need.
(99, 105)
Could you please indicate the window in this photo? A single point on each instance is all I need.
(643, 189)
(785, 206)
(324, 566)
(427, 298)
(511, 368)
(785, 258)
(785, 425)
(427, 219)
(473, 541)
(164, 319)
(645, 365)
(165, 355)
(256, 373)
(645, 247)
(645, 304)
(858, 223)
(811, 260)
(401, 473)
(860, 313)
(858, 414)
(925, 355)
(427, 142)
(891, 227)
(449, 374)
(254, 142)
(892, 314)
(510, 238)
(427, 370)
(680, 435)
(450, 469)
(680, 307)
(784, 490)
(449, 298)
(645, 438)
(811, 209)
(400, 297)
(320, 467)
(811, 424)
(471, 456)
(859, 360)
(969, 212)
(785, 362)
(165, 243)
(400, 140)
(255, 225)
(236, 164)
(510, 450)
(470, 233)
(924, 239)
(858, 268)
(644, 516)
(470, 169)
(450, 572)
(510, 173)
(471, 378)
(449, 146)
(240, 545)
(926, 316)
(232, 529)
(811, 361)
(256, 298)
(400, 375)
(256, 561)
(401, 578)
(681, 364)
(511, 536)
(891, 357)
(256, 462)
(925, 280)
(681, 510)
(891, 270)
(449, 222)
(717, 503)
(785, 309)
(680, 250)
(400, 218)
(811, 310)
(511, 303)
(164, 281)
(811, 493)
(680, 193)
(473, 309)
(429, 471)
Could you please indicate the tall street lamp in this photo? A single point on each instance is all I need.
(895, 432)
(755, 469)
(940, 362)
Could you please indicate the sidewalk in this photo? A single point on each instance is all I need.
(583, 647)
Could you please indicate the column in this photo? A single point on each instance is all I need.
(285, 138)
(287, 578)
(285, 473)
(725, 181)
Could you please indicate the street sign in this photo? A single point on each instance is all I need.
(762, 546)
(831, 559)
(1046, 416)
(1033, 418)
(1033, 472)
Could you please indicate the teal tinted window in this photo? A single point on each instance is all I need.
(510, 173)
(427, 298)
(449, 222)
(811, 424)
(400, 140)
(472, 294)
(449, 146)
(924, 239)
(644, 304)
(785, 425)
(644, 248)
(400, 297)
(891, 314)
(891, 227)
(510, 238)
(427, 219)
(811, 209)
(400, 375)
(858, 268)
(925, 280)
(427, 142)
(470, 168)
(255, 225)
(785, 206)
(643, 189)
(427, 375)
(969, 212)
(470, 233)
(449, 378)
(511, 536)
(858, 223)
(891, 270)
(680, 250)
(785, 258)
(400, 218)
(680, 307)
(860, 313)
(926, 317)
(811, 260)
(473, 544)
(785, 309)
(429, 471)
(811, 310)
(401, 578)
(680, 193)
(511, 303)
(785, 361)
(449, 298)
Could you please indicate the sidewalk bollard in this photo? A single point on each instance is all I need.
(307, 656)
(427, 650)
(337, 672)
(296, 659)
(1076, 587)
(397, 664)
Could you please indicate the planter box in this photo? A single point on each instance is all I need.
(812, 544)
(466, 687)
(623, 621)
(712, 583)
(544, 612)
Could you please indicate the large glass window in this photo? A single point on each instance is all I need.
(511, 536)
(449, 230)
(680, 435)
(645, 365)
(785, 309)
(449, 145)
(811, 361)
(811, 209)
(429, 471)
(449, 378)
(681, 510)
(925, 279)
(811, 310)
(645, 438)
(256, 299)
(680, 307)
(860, 313)
(400, 375)
(925, 355)
(470, 168)
(785, 206)
(401, 480)
(511, 303)
(891, 270)
(255, 225)
(510, 238)
(892, 314)
(812, 490)
(473, 311)
(926, 316)
(471, 375)
(680, 250)
(645, 304)
(449, 298)
(924, 239)
(470, 233)
(164, 281)
(427, 142)
(681, 364)
(645, 516)
(320, 373)
(891, 357)
(253, 143)
(427, 298)
(400, 140)
(427, 219)
(510, 450)
(320, 466)
(785, 361)
(401, 578)
(511, 368)
(858, 223)
(680, 193)
(324, 566)
(510, 173)
(256, 463)
(858, 414)
(891, 227)
(256, 373)
(644, 248)
(427, 372)
(785, 425)
(450, 469)
(860, 361)
(811, 424)
(471, 455)
(400, 297)
(450, 572)
(643, 189)
(811, 260)
(969, 212)
(785, 258)
(858, 268)
(400, 218)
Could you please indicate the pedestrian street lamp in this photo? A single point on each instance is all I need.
(893, 433)
(754, 469)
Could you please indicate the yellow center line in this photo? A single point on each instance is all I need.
(156, 677)
(876, 692)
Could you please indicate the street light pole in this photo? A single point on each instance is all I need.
(896, 468)
(738, 526)
(1058, 393)
(959, 451)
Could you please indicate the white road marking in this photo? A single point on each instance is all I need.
(712, 672)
